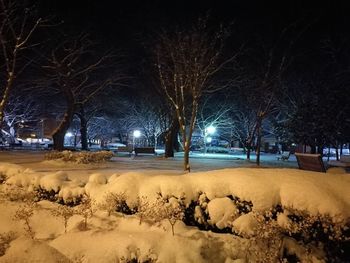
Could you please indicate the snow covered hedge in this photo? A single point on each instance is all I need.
(283, 211)
(80, 157)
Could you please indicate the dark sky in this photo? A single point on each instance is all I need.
(126, 24)
(113, 20)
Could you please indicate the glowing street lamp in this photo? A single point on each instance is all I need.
(136, 134)
(211, 129)
(69, 134)
(209, 139)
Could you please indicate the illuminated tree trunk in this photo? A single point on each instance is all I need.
(5, 97)
(60, 132)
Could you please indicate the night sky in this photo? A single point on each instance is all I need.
(132, 25)
(124, 22)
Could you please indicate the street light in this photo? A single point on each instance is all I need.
(211, 129)
(69, 134)
(136, 134)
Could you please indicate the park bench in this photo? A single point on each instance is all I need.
(144, 150)
(124, 149)
(311, 162)
(284, 156)
(344, 161)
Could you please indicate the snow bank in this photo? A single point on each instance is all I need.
(316, 193)
(17, 175)
(28, 250)
(53, 181)
(221, 212)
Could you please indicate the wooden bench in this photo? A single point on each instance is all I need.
(144, 150)
(284, 156)
(311, 162)
(344, 161)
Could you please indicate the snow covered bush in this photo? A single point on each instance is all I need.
(64, 156)
(93, 157)
(15, 193)
(64, 212)
(144, 208)
(5, 240)
(266, 245)
(24, 213)
(318, 231)
(43, 194)
(84, 157)
(168, 208)
(134, 255)
(222, 212)
(115, 202)
(86, 209)
(3, 177)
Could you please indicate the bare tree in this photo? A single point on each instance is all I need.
(19, 110)
(213, 114)
(147, 116)
(16, 29)
(268, 65)
(79, 75)
(186, 61)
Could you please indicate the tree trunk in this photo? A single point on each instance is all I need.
(187, 156)
(60, 132)
(83, 129)
(341, 148)
(58, 138)
(329, 153)
(248, 150)
(336, 152)
(258, 143)
(171, 141)
(5, 97)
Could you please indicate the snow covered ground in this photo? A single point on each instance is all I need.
(145, 209)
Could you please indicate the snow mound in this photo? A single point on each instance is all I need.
(221, 212)
(316, 193)
(17, 175)
(53, 181)
(98, 178)
(245, 224)
(28, 250)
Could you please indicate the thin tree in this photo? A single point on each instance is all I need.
(269, 63)
(186, 61)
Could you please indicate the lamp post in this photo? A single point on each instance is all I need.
(210, 130)
(136, 134)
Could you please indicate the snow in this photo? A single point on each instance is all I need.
(120, 237)
(27, 250)
(221, 212)
(245, 224)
